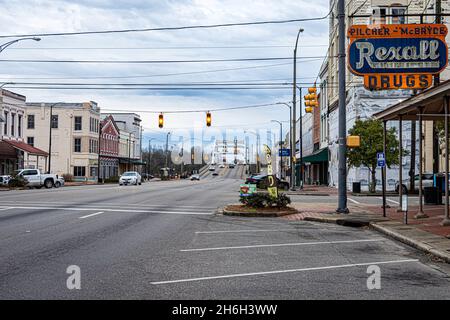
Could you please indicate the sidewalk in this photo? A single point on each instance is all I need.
(424, 234)
(311, 190)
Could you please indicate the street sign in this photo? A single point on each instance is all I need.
(247, 189)
(284, 152)
(272, 180)
(381, 160)
(398, 56)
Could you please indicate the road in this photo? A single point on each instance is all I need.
(163, 240)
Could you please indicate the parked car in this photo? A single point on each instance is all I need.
(262, 182)
(4, 180)
(427, 181)
(222, 166)
(195, 177)
(59, 182)
(212, 168)
(130, 177)
(37, 179)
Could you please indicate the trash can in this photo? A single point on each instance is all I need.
(432, 195)
(356, 187)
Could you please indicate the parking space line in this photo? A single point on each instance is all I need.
(91, 215)
(392, 201)
(285, 271)
(284, 245)
(237, 231)
(354, 201)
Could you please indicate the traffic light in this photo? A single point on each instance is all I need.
(161, 120)
(311, 99)
(208, 119)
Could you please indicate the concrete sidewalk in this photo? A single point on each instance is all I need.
(424, 234)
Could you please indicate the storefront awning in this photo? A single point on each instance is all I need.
(132, 161)
(320, 155)
(25, 147)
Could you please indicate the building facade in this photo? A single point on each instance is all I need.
(74, 136)
(109, 149)
(14, 151)
(362, 103)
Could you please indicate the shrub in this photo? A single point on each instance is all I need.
(67, 177)
(17, 182)
(262, 200)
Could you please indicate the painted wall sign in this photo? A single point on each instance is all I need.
(397, 56)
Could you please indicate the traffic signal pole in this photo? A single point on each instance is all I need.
(342, 177)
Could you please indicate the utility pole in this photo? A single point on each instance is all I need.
(294, 117)
(301, 138)
(99, 151)
(167, 148)
(342, 178)
(129, 151)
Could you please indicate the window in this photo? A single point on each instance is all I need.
(93, 125)
(79, 171)
(54, 122)
(78, 123)
(93, 171)
(93, 146)
(30, 141)
(13, 122)
(19, 125)
(389, 15)
(77, 145)
(30, 121)
(5, 128)
(29, 173)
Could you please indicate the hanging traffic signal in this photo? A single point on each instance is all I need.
(161, 120)
(308, 109)
(208, 119)
(311, 99)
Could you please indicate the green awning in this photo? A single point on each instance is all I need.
(131, 161)
(320, 155)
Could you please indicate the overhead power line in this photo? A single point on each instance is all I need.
(155, 61)
(206, 26)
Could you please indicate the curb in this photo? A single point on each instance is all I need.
(308, 194)
(411, 242)
(225, 212)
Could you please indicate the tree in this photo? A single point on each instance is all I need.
(371, 133)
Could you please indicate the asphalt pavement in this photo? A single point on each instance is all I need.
(164, 240)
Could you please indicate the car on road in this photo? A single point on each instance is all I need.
(212, 168)
(215, 174)
(427, 181)
(4, 180)
(231, 166)
(262, 182)
(37, 179)
(130, 177)
(222, 166)
(59, 182)
(195, 177)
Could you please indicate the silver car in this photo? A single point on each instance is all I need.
(427, 181)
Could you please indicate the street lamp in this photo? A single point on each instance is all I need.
(258, 167)
(167, 147)
(281, 146)
(301, 138)
(149, 155)
(7, 44)
(291, 143)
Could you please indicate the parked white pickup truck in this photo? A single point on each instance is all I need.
(37, 179)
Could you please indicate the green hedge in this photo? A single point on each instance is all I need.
(262, 200)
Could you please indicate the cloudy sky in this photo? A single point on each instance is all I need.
(262, 41)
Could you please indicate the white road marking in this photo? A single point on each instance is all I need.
(114, 210)
(7, 208)
(237, 231)
(392, 201)
(284, 245)
(91, 215)
(285, 271)
(354, 201)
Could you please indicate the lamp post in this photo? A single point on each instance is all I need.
(291, 144)
(281, 147)
(50, 135)
(7, 44)
(167, 148)
(301, 137)
(149, 155)
(294, 105)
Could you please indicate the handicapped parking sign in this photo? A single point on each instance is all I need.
(381, 160)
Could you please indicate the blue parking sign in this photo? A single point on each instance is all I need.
(381, 159)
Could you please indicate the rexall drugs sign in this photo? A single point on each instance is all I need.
(397, 56)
